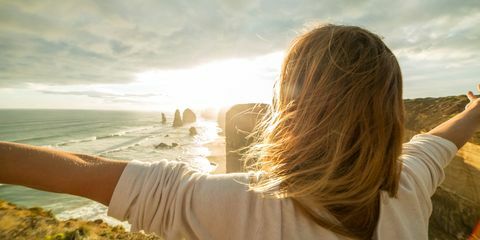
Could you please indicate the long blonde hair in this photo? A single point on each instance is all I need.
(333, 135)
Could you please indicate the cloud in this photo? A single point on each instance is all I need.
(84, 42)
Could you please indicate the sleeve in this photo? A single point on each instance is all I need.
(424, 157)
(175, 202)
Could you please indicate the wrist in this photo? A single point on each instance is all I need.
(472, 115)
(473, 111)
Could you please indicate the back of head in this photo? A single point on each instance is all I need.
(334, 134)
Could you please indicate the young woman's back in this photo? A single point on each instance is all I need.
(328, 164)
(169, 198)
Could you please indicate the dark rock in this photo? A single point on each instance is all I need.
(193, 131)
(189, 116)
(177, 120)
(166, 146)
(164, 119)
(167, 135)
(163, 146)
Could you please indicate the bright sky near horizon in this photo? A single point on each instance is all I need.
(163, 54)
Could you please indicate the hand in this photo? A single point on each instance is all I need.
(474, 104)
(460, 128)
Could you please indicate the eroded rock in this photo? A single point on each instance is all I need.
(192, 131)
(189, 116)
(177, 120)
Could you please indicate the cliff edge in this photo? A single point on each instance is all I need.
(36, 223)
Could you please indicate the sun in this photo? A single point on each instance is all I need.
(215, 84)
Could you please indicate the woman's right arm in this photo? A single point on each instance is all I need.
(58, 171)
(425, 156)
(461, 128)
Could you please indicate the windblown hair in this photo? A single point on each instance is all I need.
(333, 135)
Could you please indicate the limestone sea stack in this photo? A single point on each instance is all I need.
(164, 119)
(177, 120)
(193, 131)
(189, 116)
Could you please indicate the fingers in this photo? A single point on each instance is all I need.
(471, 96)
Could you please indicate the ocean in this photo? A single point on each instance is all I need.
(113, 134)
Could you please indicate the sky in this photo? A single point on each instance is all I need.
(158, 55)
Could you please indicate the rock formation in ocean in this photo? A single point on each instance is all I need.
(456, 203)
(189, 116)
(36, 223)
(162, 145)
(164, 119)
(165, 146)
(192, 131)
(177, 120)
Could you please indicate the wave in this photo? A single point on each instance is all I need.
(89, 139)
(119, 134)
(91, 212)
(94, 138)
(123, 146)
(24, 140)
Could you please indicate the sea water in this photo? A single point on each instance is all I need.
(112, 134)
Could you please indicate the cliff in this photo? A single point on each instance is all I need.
(456, 203)
(35, 223)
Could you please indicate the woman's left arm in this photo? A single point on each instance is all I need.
(58, 171)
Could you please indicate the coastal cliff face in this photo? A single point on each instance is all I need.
(456, 203)
(239, 122)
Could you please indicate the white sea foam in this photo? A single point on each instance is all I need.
(91, 212)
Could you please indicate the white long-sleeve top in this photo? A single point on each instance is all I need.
(176, 202)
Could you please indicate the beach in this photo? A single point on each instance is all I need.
(217, 154)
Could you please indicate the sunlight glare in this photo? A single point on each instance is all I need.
(216, 84)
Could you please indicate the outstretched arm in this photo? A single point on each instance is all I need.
(461, 127)
(58, 171)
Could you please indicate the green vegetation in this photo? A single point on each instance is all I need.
(36, 223)
(423, 114)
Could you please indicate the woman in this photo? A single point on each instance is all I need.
(329, 163)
